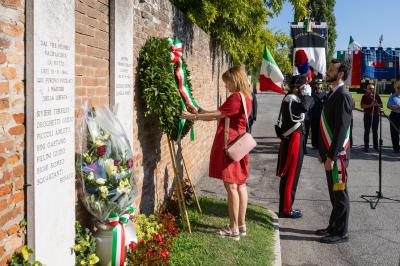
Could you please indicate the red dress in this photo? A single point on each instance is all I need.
(221, 166)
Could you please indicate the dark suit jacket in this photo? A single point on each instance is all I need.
(338, 109)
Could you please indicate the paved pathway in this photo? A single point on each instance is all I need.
(374, 234)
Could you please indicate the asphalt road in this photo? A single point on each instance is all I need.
(374, 234)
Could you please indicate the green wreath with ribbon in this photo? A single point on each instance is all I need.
(166, 87)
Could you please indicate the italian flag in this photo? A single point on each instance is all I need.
(353, 45)
(308, 25)
(271, 77)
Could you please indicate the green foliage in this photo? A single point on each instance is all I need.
(146, 227)
(22, 258)
(299, 6)
(204, 246)
(23, 223)
(85, 246)
(239, 26)
(159, 87)
(279, 44)
(155, 234)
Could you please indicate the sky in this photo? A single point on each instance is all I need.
(365, 20)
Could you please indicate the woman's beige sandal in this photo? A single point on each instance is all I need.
(242, 230)
(228, 232)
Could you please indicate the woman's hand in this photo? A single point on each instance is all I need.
(329, 164)
(187, 115)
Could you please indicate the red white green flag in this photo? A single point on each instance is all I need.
(308, 24)
(271, 78)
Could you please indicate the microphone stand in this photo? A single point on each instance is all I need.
(373, 200)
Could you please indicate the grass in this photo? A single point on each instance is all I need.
(204, 247)
(384, 98)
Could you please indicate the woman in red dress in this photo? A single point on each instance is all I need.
(233, 174)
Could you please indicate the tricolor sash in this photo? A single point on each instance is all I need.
(338, 183)
(188, 102)
(118, 240)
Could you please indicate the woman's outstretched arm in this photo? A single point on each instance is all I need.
(208, 116)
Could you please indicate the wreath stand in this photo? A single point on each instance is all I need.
(179, 190)
(191, 185)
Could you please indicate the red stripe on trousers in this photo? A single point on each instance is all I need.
(290, 169)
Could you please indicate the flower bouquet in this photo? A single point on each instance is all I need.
(105, 168)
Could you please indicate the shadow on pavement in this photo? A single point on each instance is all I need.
(299, 238)
(297, 231)
(358, 153)
(265, 138)
(266, 147)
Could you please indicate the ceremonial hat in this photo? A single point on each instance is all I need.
(298, 80)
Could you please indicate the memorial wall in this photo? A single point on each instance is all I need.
(79, 52)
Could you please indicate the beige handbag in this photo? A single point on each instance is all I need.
(243, 144)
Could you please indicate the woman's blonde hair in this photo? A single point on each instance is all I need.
(238, 77)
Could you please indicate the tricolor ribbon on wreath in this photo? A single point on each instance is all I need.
(338, 183)
(187, 100)
(118, 235)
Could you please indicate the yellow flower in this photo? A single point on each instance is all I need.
(90, 176)
(93, 259)
(87, 157)
(111, 169)
(99, 143)
(83, 262)
(124, 186)
(104, 136)
(77, 247)
(103, 191)
(100, 181)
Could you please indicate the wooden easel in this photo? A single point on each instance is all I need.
(180, 196)
(179, 190)
(190, 181)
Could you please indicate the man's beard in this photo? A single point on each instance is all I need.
(335, 78)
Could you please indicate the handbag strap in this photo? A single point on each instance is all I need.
(226, 132)
(227, 120)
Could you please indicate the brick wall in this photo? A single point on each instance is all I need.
(12, 130)
(92, 57)
(152, 160)
(92, 60)
(206, 64)
(205, 61)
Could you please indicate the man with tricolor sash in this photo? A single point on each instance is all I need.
(334, 151)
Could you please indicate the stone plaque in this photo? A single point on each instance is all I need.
(51, 130)
(121, 61)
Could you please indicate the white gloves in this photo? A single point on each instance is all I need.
(307, 90)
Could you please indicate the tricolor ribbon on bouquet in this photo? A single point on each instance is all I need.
(188, 102)
(118, 235)
(339, 183)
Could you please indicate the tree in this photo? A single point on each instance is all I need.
(279, 44)
(323, 11)
(300, 7)
(239, 25)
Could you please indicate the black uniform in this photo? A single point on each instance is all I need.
(338, 110)
(253, 115)
(315, 115)
(307, 126)
(290, 158)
